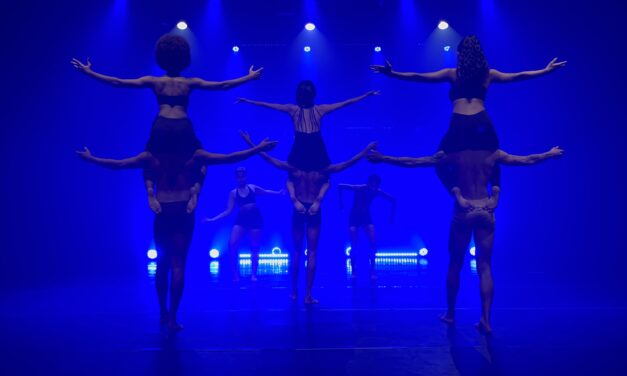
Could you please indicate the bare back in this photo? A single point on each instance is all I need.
(174, 177)
(473, 170)
(307, 185)
(172, 87)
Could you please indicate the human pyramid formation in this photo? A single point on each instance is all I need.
(174, 165)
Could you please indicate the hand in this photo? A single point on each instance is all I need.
(554, 64)
(266, 145)
(254, 74)
(439, 155)
(464, 204)
(85, 68)
(314, 208)
(154, 204)
(85, 154)
(299, 207)
(208, 220)
(192, 203)
(375, 156)
(246, 137)
(239, 100)
(556, 152)
(371, 146)
(385, 69)
(373, 92)
(493, 202)
(283, 192)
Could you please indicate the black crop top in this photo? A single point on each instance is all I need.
(249, 199)
(173, 100)
(458, 91)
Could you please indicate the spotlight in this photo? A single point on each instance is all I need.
(182, 25)
(423, 252)
(214, 253)
(377, 49)
(235, 48)
(152, 268)
(310, 27)
(447, 48)
(443, 25)
(348, 251)
(472, 251)
(307, 49)
(152, 254)
(423, 262)
(276, 251)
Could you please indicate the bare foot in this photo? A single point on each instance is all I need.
(191, 204)
(310, 300)
(483, 328)
(448, 320)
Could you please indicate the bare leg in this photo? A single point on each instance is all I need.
(484, 240)
(178, 258)
(372, 255)
(236, 237)
(313, 235)
(297, 238)
(162, 282)
(255, 244)
(354, 236)
(459, 237)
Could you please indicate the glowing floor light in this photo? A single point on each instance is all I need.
(235, 49)
(214, 253)
(443, 25)
(182, 25)
(423, 252)
(276, 251)
(423, 262)
(310, 26)
(472, 251)
(348, 251)
(152, 254)
(396, 254)
(152, 268)
(377, 49)
(307, 49)
(447, 48)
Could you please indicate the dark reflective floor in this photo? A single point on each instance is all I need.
(361, 328)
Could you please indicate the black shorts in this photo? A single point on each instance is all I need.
(359, 218)
(301, 219)
(173, 136)
(470, 132)
(173, 225)
(309, 152)
(250, 219)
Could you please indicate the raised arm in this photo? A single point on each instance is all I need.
(281, 165)
(230, 204)
(261, 191)
(141, 82)
(199, 83)
(289, 108)
(337, 167)
(443, 75)
(524, 160)
(204, 157)
(502, 77)
(410, 162)
(326, 108)
(138, 161)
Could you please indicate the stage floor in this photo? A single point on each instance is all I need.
(387, 328)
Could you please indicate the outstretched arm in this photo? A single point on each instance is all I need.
(141, 82)
(524, 160)
(337, 167)
(428, 161)
(501, 77)
(261, 191)
(138, 161)
(326, 108)
(199, 83)
(392, 200)
(281, 165)
(443, 75)
(230, 204)
(204, 157)
(289, 108)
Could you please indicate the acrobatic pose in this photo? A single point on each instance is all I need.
(249, 219)
(307, 190)
(475, 216)
(309, 152)
(174, 224)
(172, 132)
(360, 217)
(470, 127)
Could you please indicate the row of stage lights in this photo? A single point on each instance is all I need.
(442, 25)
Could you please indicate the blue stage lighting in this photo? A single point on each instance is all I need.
(447, 48)
(214, 253)
(235, 48)
(182, 25)
(423, 252)
(377, 49)
(423, 262)
(310, 26)
(276, 251)
(348, 251)
(152, 268)
(472, 251)
(307, 49)
(152, 254)
(443, 25)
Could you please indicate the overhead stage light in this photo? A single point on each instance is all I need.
(235, 48)
(447, 48)
(152, 254)
(182, 25)
(310, 26)
(307, 49)
(214, 253)
(377, 49)
(443, 25)
(423, 252)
